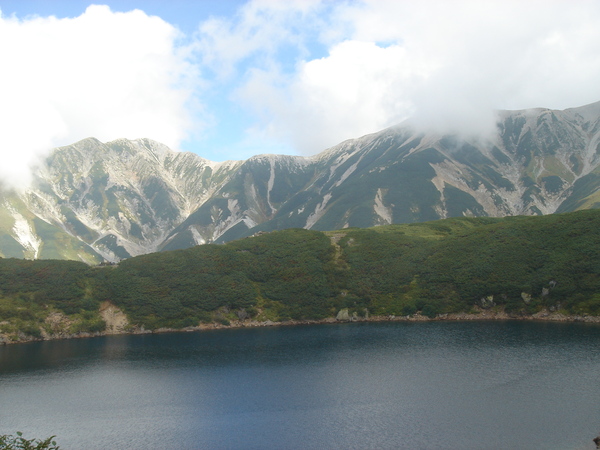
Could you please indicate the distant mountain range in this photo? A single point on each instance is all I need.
(95, 201)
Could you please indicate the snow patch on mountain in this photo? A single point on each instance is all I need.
(198, 239)
(249, 222)
(340, 160)
(381, 210)
(318, 213)
(25, 235)
(348, 172)
(270, 185)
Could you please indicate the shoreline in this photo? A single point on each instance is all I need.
(483, 315)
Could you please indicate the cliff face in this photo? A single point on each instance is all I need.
(96, 201)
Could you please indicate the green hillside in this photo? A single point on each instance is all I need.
(518, 264)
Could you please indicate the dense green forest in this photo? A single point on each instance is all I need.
(520, 265)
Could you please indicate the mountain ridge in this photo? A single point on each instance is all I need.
(95, 201)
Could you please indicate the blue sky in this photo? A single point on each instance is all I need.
(232, 79)
(185, 14)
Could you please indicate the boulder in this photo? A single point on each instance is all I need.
(343, 315)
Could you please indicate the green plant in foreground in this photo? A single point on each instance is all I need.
(18, 442)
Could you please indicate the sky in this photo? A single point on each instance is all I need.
(231, 79)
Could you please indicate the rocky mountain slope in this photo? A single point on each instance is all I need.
(96, 201)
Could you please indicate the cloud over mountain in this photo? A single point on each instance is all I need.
(288, 77)
(102, 74)
(447, 64)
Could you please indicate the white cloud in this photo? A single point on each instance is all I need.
(358, 88)
(309, 73)
(102, 74)
(261, 27)
(449, 64)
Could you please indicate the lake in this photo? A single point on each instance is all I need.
(432, 385)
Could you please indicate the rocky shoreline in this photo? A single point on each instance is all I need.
(119, 327)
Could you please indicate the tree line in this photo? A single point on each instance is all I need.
(518, 264)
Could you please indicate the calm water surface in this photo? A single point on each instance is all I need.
(492, 385)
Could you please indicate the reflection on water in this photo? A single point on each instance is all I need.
(376, 385)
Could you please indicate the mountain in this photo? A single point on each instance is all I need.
(95, 201)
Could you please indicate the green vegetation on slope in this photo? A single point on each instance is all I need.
(282, 272)
(523, 264)
(32, 293)
(519, 264)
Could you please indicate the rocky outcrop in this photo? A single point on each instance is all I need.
(115, 319)
(343, 315)
(56, 326)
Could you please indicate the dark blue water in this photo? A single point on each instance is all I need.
(492, 385)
